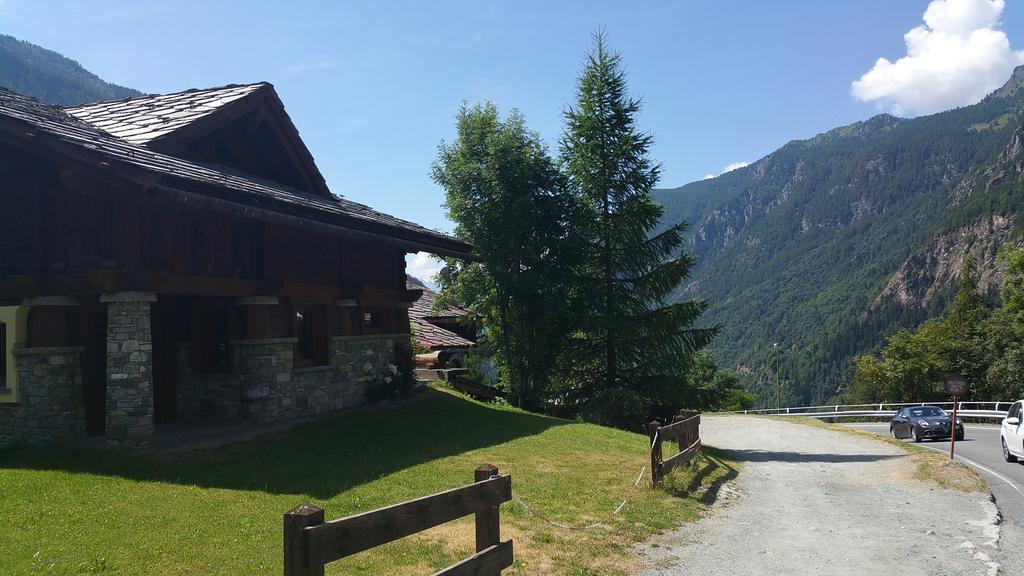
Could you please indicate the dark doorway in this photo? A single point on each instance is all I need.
(92, 327)
(167, 315)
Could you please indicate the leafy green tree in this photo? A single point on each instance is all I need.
(629, 341)
(869, 381)
(508, 198)
(1012, 290)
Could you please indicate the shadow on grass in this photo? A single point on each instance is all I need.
(319, 459)
(713, 466)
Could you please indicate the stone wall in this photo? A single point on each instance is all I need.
(50, 407)
(129, 371)
(202, 397)
(266, 387)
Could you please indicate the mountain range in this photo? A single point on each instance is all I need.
(50, 77)
(815, 253)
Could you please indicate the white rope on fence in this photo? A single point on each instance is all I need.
(615, 512)
(586, 526)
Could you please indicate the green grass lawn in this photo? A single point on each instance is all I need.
(220, 511)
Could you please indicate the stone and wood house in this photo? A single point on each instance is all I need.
(179, 258)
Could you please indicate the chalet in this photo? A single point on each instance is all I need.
(179, 258)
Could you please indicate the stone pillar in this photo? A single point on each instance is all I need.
(50, 410)
(129, 369)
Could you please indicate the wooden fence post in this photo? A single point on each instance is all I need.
(652, 431)
(488, 522)
(295, 549)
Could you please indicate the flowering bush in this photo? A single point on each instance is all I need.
(394, 380)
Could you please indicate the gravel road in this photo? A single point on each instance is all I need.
(814, 501)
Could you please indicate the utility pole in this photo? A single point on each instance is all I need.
(778, 377)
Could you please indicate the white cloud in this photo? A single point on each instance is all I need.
(729, 168)
(955, 58)
(423, 266)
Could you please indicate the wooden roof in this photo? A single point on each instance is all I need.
(51, 132)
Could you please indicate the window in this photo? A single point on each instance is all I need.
(376, 320)
(311, 331)
(1014, 411)
(371, 320)
(3, 355)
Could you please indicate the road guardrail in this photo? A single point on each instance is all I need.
(985, 410)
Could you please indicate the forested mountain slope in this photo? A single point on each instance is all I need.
(829, 244)
(47, 76)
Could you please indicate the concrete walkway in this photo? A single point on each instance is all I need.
(814, 501)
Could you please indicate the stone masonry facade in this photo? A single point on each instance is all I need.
(129, 371)
(50, 409)
(266, 387)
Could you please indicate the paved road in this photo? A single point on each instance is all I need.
(811, 501)
(981, 447)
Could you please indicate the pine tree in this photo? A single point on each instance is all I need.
(629, 339)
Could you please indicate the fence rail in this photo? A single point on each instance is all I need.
(982, 410)
(310, 542)
(684, 429)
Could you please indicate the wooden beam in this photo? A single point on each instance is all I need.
(487, 562)
(340, 538)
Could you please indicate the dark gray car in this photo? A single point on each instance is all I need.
(924, 423)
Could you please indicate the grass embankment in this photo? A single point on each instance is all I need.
(220, 511)
(929, 464)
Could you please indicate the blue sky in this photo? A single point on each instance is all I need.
(373, 86)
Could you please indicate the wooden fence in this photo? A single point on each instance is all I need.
(310, 543)
(685, 429)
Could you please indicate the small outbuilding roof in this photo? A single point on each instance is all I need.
(433, 337)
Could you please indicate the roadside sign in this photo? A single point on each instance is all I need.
(956, 385)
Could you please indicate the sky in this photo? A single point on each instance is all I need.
(373, 87)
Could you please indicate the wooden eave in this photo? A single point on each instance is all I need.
(180, 191)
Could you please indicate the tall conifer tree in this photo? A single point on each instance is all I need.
(630, 338)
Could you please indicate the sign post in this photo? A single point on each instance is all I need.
(956, 385)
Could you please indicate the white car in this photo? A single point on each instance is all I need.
(1012, 433)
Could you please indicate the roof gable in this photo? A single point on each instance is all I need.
(51, 132)
(240, 126)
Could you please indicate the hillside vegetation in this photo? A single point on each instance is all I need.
(50, 77)
(800, 247)
(220, 512)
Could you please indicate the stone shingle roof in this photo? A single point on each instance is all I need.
(428, 334)
(144, 118)
(434, 337)
(51, 131)
(424, 306)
